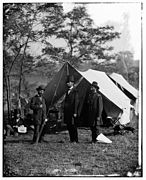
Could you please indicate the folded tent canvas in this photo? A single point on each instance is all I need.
(115, 101)
(131, 92)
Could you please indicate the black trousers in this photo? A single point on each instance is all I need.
(73, 133)
(95, 132)
(37, 128)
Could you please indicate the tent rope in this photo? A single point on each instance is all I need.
(78, 82)
(63, 97)
(56, 88)
(67, 70)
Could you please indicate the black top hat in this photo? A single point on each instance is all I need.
(95, 84)
(70, 79)
(41, 87)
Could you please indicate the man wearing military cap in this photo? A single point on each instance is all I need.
(95, 108)
(38, 105)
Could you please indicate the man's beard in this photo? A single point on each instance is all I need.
(40, 94)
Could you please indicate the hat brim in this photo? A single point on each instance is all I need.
(69, 81)
(97, 87)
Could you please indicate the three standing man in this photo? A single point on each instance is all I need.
(71, 104)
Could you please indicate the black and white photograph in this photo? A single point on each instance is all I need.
(72, 89)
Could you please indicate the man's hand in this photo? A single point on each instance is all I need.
(46, 120)
(98, 118)
(75, 115)
(41, 106)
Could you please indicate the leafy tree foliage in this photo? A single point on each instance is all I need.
(27, 23)
(22, 26)
(128, 67)
(123, 64)
(83, 40)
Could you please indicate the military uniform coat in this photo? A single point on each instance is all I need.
(95, 108)
(39, 114)
(71, 103)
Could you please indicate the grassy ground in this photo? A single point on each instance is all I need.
(58, 157)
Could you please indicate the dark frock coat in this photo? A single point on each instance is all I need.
(95, 108)
(71, 103)
(39, 114)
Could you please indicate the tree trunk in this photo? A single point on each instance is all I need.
(8, 100)
(21, 68)
(7, 83)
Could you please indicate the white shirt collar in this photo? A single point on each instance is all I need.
(70, 88)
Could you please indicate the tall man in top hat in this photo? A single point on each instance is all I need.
(38, 106)
(71, 103)
(95, 108)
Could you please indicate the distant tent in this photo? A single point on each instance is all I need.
(127, 88)
(115, 102)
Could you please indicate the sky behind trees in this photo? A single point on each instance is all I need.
(125, 17)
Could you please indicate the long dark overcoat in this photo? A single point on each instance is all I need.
(71, 103)
(39, 114)
(95, 108)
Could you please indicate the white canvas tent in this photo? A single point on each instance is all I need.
(111, 91)
(127, 88)
(115, 101)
